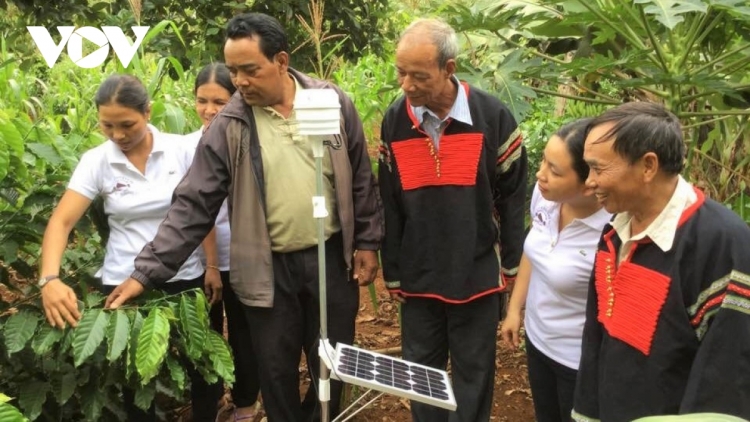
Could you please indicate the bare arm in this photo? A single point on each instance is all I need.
(512, 323)
(59, 300)
(212, 279)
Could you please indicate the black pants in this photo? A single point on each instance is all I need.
(246, 385)
(552, 386)
(204, 397)
(432, 330)
(281, 333)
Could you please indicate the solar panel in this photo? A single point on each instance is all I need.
(394, 376)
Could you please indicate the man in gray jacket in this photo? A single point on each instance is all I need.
(253, 153)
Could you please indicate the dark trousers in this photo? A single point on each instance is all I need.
(432, 331)
(204, 397)
(246, 385)
(292, 325)
(552, 386)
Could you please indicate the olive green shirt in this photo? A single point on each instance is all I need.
(289, 172)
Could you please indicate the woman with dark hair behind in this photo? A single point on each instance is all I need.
(135, 173)
(213, 89)
(554, 273)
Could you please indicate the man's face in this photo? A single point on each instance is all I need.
(419, 75)
(258, 79)
(617, 184)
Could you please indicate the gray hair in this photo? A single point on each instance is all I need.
(440, 33)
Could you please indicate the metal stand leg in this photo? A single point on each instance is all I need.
(320, 213)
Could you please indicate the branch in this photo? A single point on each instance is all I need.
(592, 92)
(720, 164)
(530, 50)
(688, 98)
(705, 122)
(634, 40)
(731, 67)
(654, 43)
(718, 59)
(575, 97)
(715, 113)
(692, 34)
(710, 27)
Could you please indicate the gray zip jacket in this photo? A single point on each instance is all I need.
(228, 163)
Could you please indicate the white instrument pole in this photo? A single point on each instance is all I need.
(318, 115)
(320, 213)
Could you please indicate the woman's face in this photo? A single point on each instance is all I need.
(210, 98)
(125, 126)
(557, 179)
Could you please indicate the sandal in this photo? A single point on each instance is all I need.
(254, 416)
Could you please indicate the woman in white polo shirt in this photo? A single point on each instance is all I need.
(135, 172)
(553, 278)
(213, 89)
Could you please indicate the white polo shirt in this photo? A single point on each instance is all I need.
(135, 204)
(561, 264)
(223, 234)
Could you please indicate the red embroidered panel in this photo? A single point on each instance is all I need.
(454, 163)
(630, 300)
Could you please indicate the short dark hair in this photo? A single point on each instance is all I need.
(643, 127)
(272, 38)
(124, 90)
(574, 136)
(216, 73)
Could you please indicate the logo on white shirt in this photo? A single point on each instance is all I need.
(121, 186)
(541, 217)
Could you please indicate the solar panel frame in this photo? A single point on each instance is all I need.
(393, 376)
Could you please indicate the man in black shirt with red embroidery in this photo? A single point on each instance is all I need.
(668, 319)
(453, 180)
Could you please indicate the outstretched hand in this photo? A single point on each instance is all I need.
(129, 289)
(365, 267)
(60, 304)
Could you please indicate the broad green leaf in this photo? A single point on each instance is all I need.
(89, 334)
(8, 413)
(152, 345)
(31, 397)
(45, 152)
(4, 161)
(210, 376)
(174, 119)
(135, 330)
(11, 137)
(19, 329)
(510, 89)
(118, 334)
(144, 396)
(47, 337)
(4, 398)
(221, 357)
(176, 372)
(669, 12)
(92, 401)
(734, 7)
(63, 386)
(93, 299)
(194, 324)
(9, 252)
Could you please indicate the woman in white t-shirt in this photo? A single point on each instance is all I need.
(213, 89)
(135, 173)
(553, 278)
